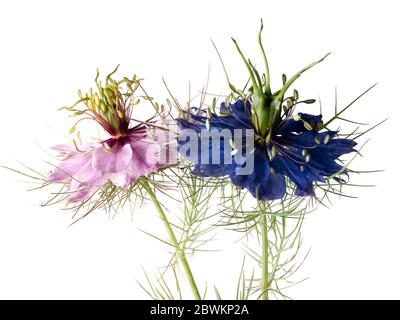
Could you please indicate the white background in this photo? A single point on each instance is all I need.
(49, 49)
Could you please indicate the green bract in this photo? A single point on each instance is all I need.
(267, 105)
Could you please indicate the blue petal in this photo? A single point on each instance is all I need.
(212, 170)
(323, 162)
(240, 111)
(239, 106)
(260, 182)
(273, 188)
(202, 156)
(302, 179)
(230, 122)
(184, 124)
(338, 147)
(224, 108)
(259, 174)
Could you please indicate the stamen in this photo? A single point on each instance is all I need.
(103, 106)
(284, 78)
(308, 126)
(308, 158)
(302, 168)
(272, 170)
(209, 112)
(295, 94)
(288, 154)
(208, 124)
(296, 117)
(233, 146)
(90, 105)
(107, 147)
(271, 152)
(304, 152)
(232, 143)
(326, 139)
(96, 99)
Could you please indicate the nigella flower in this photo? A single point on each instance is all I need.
(295, 148)
(129, 153)
(287, 146)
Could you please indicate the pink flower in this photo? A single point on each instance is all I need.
(121, 160)
(129, 153)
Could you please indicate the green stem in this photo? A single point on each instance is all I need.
(174, 241)
(264, 253)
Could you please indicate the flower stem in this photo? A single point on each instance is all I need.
(264, 253)
(180, 252)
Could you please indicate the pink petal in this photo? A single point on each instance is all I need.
(144, 158)
(84, 189)
(82, 194)
(121, 179)
(87, 174)
(168, 153)
(112, 161)
(69, 167)
(63, 148)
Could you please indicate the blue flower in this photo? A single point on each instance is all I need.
(285, 147)
(295, 148)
